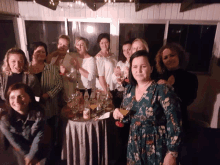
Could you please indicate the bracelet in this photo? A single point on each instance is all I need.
(174, 154)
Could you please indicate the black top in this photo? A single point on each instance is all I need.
(39, 75)
(185, 86)
(14, 78)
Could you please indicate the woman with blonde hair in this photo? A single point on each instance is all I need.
(139, 44)
(84, 64)
(15, 69)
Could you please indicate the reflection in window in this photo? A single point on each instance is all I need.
(45, 31)
(7, 39)
(197, 40)
(152, 33)
(87, 30)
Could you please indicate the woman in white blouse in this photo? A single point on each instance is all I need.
(84, 64)
(106, 62)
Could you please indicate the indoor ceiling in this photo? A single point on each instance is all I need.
(139, 4)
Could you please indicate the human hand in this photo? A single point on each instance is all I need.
(30, 162)
(119, 81)
(62, 69)
(45, 96)
(126, 71)
(171, 80)
(161, 81)
(169, 160)
(75, 63)
(117, 114)
(117, 71)
(55, 53)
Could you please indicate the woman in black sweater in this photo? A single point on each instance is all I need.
(170, 64)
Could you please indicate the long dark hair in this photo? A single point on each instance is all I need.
(33, 105)
(139, 53)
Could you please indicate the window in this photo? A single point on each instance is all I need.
(89, 30)
(152, 33)
(197, 40)
(7, 39)
(45, 31)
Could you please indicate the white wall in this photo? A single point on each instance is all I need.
(209, 85)
(9, 7)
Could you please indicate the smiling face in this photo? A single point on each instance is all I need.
(81, 47)
(16, 63)
(104, 44)
(19, 101)
(137, 45)
(39, 54)
(127, 51)
(63, 45)
(170, 59)
(141, 69)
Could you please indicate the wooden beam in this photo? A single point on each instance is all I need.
(186, 4)
(47, 4)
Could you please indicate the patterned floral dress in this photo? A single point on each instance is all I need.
(155, 124)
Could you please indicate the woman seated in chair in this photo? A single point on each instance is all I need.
(23, 125)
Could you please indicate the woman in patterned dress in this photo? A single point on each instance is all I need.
(155, 118)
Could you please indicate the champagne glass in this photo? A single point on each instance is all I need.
(125, 110)
(74, 108)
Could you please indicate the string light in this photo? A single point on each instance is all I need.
(63, 6)
(34, 1)
(130, 0)
(106, 1)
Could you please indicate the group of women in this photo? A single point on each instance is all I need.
(159, 105)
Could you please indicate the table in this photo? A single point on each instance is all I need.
(85, 142)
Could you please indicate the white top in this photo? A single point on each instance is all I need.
(105, 67)
(89, 64)
(122, 66)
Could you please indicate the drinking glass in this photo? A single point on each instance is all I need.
(125, 110)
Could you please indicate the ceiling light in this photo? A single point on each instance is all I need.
(89, 29)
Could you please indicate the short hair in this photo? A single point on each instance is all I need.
(103, 35)
(6, 68)
(63, 36)
(123, 58)
(85, 40)
(34, 46)
(174, 47)
(32, 105)
(139, 53)
(144, 43)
